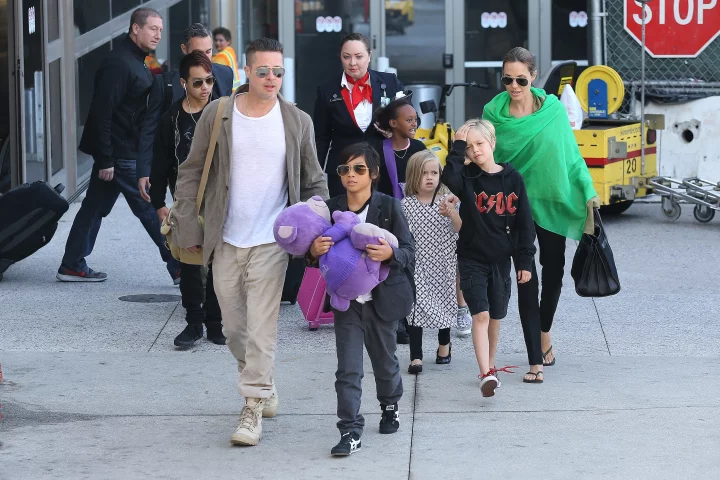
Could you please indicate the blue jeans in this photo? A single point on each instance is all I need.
(99, 200)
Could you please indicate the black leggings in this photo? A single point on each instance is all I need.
(537, 316)
(416, 336)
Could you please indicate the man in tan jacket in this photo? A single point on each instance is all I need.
(265, 160)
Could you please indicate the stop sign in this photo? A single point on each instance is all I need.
(674, 28)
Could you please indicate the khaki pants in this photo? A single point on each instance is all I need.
(248, 283)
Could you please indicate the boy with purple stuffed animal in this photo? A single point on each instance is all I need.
(366, 257)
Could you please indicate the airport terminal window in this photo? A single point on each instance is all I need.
(415, 40)
(570, 30)
(89, 14)
(181, 15)
(317, 45)
(120, 7)
(87, 65)
(259, 19)
(56, 117)
(178, 21)
(53, 20)
(491, 30)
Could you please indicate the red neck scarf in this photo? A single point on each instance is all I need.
(358, 94)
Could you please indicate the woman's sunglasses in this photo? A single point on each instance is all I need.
(343, 170)
(523, 82)
(198, 82)
(263, 72)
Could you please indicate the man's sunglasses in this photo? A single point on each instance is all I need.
(263, 72)
(198, 82)
(523, 82)
(343, 170)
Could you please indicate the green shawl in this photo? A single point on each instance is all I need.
(542, 147)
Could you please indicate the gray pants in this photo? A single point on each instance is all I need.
(357, 326)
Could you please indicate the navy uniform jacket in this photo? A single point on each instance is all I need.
(335, 128)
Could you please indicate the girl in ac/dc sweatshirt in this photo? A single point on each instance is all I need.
(497, 225)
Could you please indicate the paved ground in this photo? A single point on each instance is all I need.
(93, 387)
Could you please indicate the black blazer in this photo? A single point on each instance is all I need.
(392, 299)
(334, 126)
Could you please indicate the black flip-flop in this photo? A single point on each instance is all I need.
(545, 356)
(535, 380)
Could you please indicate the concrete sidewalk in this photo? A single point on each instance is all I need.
(94, 388)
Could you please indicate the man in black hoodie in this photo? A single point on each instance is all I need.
(172, 144)
(112, 135)
(497, 225)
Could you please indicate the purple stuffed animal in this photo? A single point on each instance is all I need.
(299, 225)
(348, 271)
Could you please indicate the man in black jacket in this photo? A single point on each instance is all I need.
(172, 144)
(112, 136)
(168, 88)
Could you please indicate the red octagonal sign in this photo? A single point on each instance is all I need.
(674, 28)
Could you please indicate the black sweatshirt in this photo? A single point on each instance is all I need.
(173, 138)
(496, 219)
(114, 128)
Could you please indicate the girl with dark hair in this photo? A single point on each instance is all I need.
(370, 320)
(395, 124)
(345, 104)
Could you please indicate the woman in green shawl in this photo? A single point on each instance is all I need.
(534, 136)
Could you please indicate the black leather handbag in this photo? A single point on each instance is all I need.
(593, 267)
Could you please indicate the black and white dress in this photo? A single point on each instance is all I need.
(435, 264)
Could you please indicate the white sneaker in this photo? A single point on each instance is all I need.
(271, 404)
(488, 384)
(249, 428)
(463, 326)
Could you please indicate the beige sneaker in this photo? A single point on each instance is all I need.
(249, 428)
(271, 404)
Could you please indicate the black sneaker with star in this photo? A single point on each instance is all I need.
(349, 443)
(390, 420)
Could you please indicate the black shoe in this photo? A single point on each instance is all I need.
(415, 369)
(189, 336)
(214, 333)
(443, 360)
(403, 338)
(349, 443)
(390, 420)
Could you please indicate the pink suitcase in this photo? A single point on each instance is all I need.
(311, 299)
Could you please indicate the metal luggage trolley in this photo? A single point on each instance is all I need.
(705, 195)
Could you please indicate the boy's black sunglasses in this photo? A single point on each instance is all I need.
(343, 170)
(523, 82)
(198, 82)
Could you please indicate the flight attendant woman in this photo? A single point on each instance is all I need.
(345, 104)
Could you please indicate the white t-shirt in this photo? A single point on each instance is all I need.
(363, 112)
(258, 178)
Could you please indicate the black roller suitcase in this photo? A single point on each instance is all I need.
(29, 216)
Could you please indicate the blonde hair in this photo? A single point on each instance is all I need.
(414, 169)
(486, 129)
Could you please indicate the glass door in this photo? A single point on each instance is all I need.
(31, 90)
(492, 28)
(320, 26)
(415, 44)
(570, 32)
